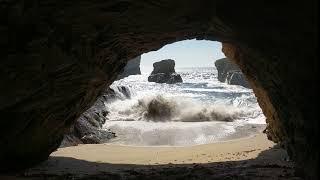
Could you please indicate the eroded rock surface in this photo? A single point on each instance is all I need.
(58, 56)
(132, 68)
(230, 73)
(164, 72)
(88, 128)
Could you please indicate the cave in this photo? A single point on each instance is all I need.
(58, 56)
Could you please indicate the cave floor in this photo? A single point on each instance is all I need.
(247, 158)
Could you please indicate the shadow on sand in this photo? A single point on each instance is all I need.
(270, 164)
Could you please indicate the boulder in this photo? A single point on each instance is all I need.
(164, 72)
(230, 73)
(165, 78)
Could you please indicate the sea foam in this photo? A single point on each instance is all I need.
(200, 110)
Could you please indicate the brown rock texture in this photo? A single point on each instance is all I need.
(57, 57)
(229, 72)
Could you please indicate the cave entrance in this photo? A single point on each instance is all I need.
(204, 108)
(178, 129)
(202, 125)
(57, 57)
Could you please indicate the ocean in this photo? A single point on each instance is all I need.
(200, 110)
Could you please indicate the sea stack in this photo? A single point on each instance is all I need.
(230, 73)
(164, 72)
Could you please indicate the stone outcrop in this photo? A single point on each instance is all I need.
(58, 56)
(164, 72)
(230, 73)
(132, 68)
(88, 128)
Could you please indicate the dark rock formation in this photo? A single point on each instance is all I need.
(163, 72)
(57, 57)
(230, 73)
(165, 78)
(132, 68)
(87, 129)
(164, 66)
(237, 78)
(224, 66)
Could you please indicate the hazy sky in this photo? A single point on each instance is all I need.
(188, 53)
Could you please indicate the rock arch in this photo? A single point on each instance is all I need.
(56, 57)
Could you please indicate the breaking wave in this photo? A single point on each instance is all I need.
(198, 111)
(163, 109)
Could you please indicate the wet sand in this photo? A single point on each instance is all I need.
(247, 158)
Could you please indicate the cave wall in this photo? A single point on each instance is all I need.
(57, 56)
(132, 68)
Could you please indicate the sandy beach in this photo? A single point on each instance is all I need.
(233, 150)
(247, 158)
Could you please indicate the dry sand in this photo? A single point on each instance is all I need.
(240, 149)
(247, 158)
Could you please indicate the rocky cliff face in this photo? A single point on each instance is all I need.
(57, 57)
(237, 78)
(230, 73)
(164, 72)
(88, 128)
(132, 68)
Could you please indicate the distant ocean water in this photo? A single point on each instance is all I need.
(198, 111)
